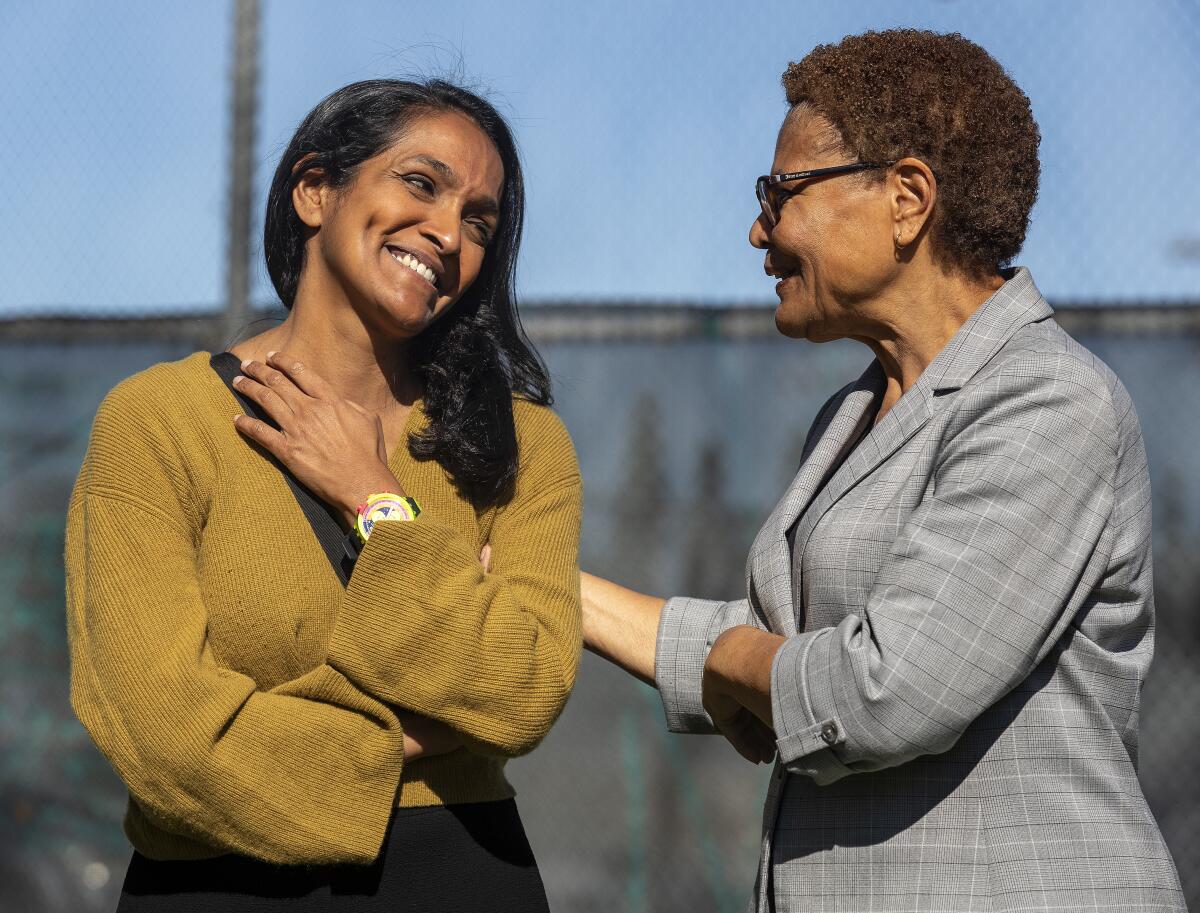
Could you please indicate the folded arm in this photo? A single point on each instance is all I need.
(978, 587)
(304, 773)
(492, 654)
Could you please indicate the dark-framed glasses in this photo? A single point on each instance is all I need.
(770, 198)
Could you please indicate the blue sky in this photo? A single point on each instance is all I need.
(642, 125)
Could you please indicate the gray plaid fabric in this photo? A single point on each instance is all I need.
(968, 603)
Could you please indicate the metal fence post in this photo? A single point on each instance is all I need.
(244, 113)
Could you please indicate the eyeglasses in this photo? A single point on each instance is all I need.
(771, 199)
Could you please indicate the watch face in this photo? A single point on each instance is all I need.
(385, 509)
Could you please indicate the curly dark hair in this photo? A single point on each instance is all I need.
(475, 357)
(944, 100)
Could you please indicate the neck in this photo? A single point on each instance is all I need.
(916, 319)
(359, 365)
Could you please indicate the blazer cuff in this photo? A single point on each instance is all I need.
(806, 736)
(687, 630)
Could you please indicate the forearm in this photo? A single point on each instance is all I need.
(621, 625)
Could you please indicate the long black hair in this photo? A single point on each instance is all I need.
(475, 357)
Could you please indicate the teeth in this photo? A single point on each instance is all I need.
(415, 265)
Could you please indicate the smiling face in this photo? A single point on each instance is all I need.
(832, 247)
(406, 237)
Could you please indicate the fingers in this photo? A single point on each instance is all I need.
(485, 558)
(271, 389)
(762, 739)
(298, 373)
(272, 403)
(744, 742)
(747, 751)
(749, 737)
(755, 749)
(424, 737)
(261, 433)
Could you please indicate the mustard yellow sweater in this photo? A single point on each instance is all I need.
(244, 696)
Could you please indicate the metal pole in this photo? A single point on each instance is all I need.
(244, 114)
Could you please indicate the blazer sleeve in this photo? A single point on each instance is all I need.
(977, 587)
(688, 628)
(306, 772)
(493, 654)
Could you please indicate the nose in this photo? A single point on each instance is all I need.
(760, 233)
(443, 227)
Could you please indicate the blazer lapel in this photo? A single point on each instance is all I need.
(768, 572)
(902, 421)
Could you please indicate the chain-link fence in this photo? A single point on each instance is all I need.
(116, 231)
(622, 815)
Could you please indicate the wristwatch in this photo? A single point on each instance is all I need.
(385, 505)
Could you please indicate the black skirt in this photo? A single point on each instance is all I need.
(460, 858)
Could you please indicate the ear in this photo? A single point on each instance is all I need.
(311, 195)
(912, 189)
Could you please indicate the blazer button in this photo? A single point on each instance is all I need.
(829, 733)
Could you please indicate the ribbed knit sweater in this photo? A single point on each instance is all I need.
(242, 693)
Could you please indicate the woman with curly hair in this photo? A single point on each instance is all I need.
(322, 586)
(949, 614)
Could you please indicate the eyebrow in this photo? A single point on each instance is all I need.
(439, 166)
(486, 205)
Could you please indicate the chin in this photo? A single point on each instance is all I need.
(404, 318)
(790, 328)
(399, 326)
(793, 321)
(805, 328)
(802, 320)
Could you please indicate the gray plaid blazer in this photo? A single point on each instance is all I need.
(966, 593)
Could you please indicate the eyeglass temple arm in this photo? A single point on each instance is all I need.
(771, 179)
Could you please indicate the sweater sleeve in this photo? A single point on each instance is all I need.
(304, 773)
(493, 655)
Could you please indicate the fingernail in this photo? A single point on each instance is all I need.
(245, 364)
(269, 354)
(237, 380)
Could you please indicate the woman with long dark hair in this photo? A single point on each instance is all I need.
(323, 585)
